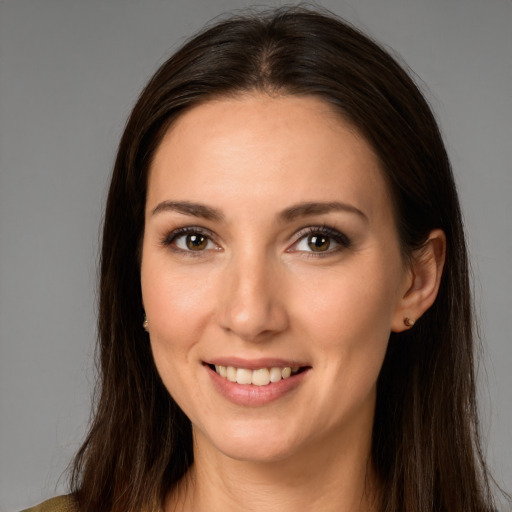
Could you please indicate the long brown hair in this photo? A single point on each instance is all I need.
(425, 438)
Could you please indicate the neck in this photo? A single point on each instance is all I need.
(327, 476)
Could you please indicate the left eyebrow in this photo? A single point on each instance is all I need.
(316, 208)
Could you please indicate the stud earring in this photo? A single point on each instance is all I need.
(145, 324)
(408, 322)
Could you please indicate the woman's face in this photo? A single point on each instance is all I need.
(270, 248)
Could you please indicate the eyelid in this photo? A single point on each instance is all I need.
(170, 237)
(340, 238)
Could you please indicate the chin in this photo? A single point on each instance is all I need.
(257, 452)
(254, 443)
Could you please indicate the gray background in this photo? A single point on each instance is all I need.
(70, 71)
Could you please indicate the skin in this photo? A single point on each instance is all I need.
(258, 290)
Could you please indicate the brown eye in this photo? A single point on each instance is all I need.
(319, 243)
(196, 242)
(190, 241)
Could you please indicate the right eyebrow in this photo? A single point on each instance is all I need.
(189, 208)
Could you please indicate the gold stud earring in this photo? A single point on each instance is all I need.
(408, 322)
(145, 324)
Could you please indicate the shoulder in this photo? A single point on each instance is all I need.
(58, 504)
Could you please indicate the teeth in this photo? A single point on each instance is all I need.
(243, 376)
(275, 374)
(260, 377)
(231, 373)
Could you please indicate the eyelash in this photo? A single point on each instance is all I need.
(340, 238)
(171, 237)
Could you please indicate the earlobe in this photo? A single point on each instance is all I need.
(423, 282)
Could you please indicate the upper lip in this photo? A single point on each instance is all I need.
(255, 364)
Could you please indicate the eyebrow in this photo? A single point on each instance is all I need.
(288, 215)
(188, 208)
(318, 208)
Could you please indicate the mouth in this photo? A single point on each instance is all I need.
(256, 377)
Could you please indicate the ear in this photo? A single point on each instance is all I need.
(422, 282)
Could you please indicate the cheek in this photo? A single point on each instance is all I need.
(177, 306)
(348, 317)
(349, 300)
(175, 299)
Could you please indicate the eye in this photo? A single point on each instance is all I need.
(189, 240)
(321, 241)
(192, 242)
(318, 243)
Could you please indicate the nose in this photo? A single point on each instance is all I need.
(251, 300)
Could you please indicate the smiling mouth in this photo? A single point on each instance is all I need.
(258, 377)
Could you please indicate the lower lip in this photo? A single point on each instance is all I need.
(251, 395)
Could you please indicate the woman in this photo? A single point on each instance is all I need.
(285, 314)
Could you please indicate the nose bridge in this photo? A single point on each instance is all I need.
(251, 305)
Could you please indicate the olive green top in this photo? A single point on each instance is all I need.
(59, 504)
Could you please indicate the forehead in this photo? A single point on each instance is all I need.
(271, 151)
